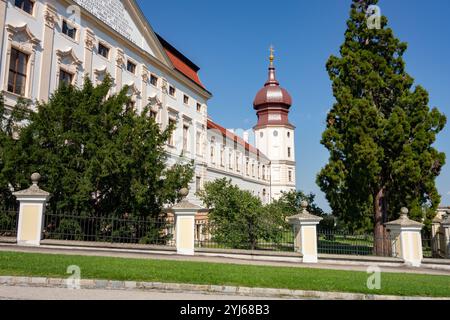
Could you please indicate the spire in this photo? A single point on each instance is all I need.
(272, 57)
(272, 81)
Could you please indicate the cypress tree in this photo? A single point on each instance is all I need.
(380, 132)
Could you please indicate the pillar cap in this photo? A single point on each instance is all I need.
(404, 221)
(184, 204)
(34, 190)
(304, 216)
(446, 220)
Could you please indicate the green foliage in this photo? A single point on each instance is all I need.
(290, 204)
(237, 218)
(96, 156)
(68, 229)
(380, 131)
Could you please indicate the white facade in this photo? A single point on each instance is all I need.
(279, 143)
(72, 39)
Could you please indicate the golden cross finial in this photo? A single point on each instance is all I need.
(272, 57)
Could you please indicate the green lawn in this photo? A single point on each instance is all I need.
(24, 264)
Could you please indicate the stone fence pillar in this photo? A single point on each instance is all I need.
(406, 236)
(185, 213)
(445, 227)
(305, 228)
(31, 213)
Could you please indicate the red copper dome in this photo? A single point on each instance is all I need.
(272, 93)
(272, 103)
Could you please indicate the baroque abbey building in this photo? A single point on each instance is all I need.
(47, 42)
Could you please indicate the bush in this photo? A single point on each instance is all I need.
(68, 229)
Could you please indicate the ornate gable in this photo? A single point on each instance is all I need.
(126, 18)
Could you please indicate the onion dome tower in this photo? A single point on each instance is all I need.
(275, 135)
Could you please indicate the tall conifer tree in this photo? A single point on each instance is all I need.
(380, 132)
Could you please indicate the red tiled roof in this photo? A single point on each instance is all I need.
(226, 133)
(181, 62)
(184, 68)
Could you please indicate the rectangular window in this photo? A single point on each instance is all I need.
(289, 152)
(290, 176)
(172, 91)
(154, 80)
(69, 31)
(198, 184)
(222, 157)
(185, 138)
(131, 67)
(230, 160)
(65, 78)
(253, 170)
(213, 155)
(131, 105)
(172, 137)
(153, 115)
(103, 51)
(185, 99)
(199, 107)
(18, 66)
(247, 167)
(238, 169)
(25, 5)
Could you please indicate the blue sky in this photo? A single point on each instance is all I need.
(229, 40)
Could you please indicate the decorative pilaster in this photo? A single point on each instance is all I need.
(2, 28)
(89, 44)
(31, 213)
(164, 113)
(406, 236)
(145, 80)
(120, 63)
(305, 226)
(185, 213)
(50, 21)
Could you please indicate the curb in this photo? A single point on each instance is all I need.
(203, 289)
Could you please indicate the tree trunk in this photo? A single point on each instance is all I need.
(381, 245)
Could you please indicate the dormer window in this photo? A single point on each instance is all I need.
(25, 5)
(68, 30)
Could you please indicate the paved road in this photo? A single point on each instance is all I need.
(32, 293)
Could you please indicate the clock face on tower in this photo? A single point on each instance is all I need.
(275, 133)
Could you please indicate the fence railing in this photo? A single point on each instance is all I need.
(434, 247)
(344, 243)
(207, 238)
(126, 230)
(8, 222)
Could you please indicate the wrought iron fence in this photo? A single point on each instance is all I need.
(8, 222)
(434, 246)
(206, 237)
(127, 230)
(344, 243)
